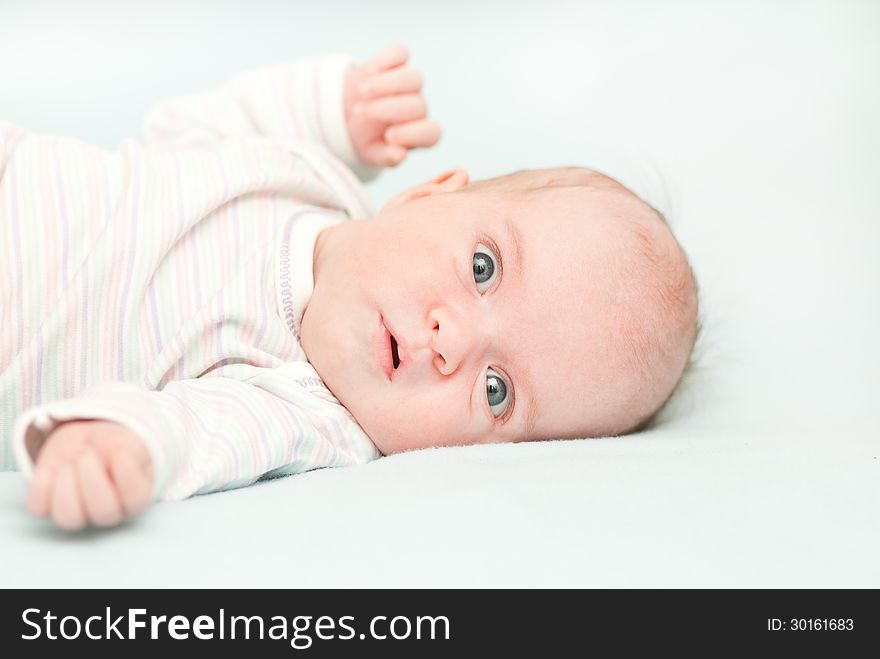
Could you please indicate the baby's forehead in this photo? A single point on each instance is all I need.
(572, 212)
(582, 210)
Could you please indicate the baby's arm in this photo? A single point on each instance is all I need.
(91, 472)
(319, 101)
(194, 436)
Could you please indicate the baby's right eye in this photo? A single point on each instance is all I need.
(484, 267)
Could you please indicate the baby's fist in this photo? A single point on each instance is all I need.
(385, 111)
(91, 472)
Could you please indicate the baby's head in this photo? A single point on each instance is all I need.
(544, 304)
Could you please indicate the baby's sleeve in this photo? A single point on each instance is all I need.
(300, 101)
(215, 432)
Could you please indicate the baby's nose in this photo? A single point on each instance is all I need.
(453, 339)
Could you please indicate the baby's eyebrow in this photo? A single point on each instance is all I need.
(514, 237)
(532, 415)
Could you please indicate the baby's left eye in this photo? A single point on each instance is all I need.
(484, 267)
(496, 392)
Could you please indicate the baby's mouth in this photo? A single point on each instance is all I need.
(395, 358)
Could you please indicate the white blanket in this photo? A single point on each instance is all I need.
(753, 126)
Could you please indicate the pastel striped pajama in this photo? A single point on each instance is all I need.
(161, 285)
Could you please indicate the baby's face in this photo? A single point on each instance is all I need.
(501, 313)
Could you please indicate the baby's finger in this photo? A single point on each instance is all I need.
(397, 81)
(386, 155)
(101, 502)
(392, 55)
(67, 509)
(134, 484)
(58, 450)
(421, 133)
(395, 109)
(39, 491)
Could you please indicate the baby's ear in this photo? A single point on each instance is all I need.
(450, 181)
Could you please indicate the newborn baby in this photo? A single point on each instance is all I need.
(212, 305)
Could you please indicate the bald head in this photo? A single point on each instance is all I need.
(650, 293)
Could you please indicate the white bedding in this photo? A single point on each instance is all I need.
(752, 126)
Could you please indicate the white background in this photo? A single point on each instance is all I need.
(752, 125)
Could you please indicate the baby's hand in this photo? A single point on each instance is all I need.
(91, 472)
(385, 110)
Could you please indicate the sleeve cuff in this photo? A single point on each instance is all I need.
(34, 425)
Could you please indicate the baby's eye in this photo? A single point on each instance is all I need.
(496, 392)
(484, 267)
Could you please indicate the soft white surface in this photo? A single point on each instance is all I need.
(752, 125)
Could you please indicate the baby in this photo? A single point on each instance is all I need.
(210, 305)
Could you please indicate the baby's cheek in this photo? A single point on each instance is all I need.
(365, 262)
(407, 426)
